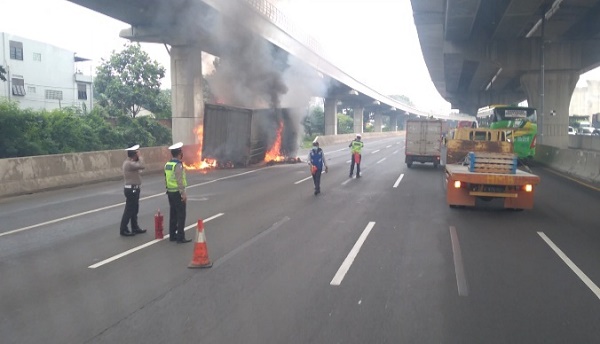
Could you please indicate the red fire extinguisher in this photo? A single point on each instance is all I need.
(158, 225)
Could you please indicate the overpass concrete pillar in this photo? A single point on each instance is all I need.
(358, 119)
(187, 93)
(394, 122)
(378, 122)
(558, 89)
(330, 116)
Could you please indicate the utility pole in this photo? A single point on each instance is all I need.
(542, 79)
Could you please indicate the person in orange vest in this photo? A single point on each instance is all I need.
(316, 161)
(356, 147)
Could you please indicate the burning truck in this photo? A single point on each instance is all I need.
(236, 137)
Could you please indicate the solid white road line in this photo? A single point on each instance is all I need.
(593, 287)
(339, 276)
(398, 180)
(114, 206)
(150, 243)
(382, 160)
(302, 180)
(459, 268)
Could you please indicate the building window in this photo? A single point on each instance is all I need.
(18, 87)
(16, 50)
(54, 94)
(30, 89)
(81, 91)
(37, 57)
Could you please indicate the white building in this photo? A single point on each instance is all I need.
(42, 76)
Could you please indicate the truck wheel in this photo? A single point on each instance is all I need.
(409, 164)
(435, 164)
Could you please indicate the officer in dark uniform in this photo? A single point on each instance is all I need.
(176, 183)
(133, 182)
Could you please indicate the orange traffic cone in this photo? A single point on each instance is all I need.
(200, 259)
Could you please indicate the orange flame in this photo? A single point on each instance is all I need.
(274, 154)
(200, 164)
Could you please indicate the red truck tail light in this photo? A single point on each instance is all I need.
(533, 142)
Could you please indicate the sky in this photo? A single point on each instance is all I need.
(374, 41)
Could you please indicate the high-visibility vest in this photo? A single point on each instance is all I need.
(356, 146)
(316, 158)
(170, 178)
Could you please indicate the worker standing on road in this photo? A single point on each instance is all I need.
(133, 182)
(176, 183)
(316, 161)
(356, 147)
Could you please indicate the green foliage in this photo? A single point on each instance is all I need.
(314, 123)
(345, 124)
(162, 105)
(129, 80)
(16, 130)
(29, 132)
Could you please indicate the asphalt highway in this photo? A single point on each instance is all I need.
(380, 259)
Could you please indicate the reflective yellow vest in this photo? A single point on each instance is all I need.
(356, 146)
(170, 178)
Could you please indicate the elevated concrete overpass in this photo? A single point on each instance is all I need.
(490, 52)
(213, 26)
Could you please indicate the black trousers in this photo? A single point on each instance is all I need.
(132, 206)
(357, 166)
(317, 179)
(177, 215)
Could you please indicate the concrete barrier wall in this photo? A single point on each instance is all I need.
(32, 174)
(585, 142)
(331, 139)
(578, 163)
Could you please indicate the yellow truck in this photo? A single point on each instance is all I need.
(480, 164)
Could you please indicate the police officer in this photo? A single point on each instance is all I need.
(176, 183)
(356, 147)
(133, 182)
(316, 161)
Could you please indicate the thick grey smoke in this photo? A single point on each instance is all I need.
(254, 73)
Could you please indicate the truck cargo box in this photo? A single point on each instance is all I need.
(423, 141)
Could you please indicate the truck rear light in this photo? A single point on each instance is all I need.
(457, 184)
(528, 187)
(533, 142)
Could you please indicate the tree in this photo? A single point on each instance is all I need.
(345, 124)
(2, 73)
(161, 107)
(129, 80)
(314, 123)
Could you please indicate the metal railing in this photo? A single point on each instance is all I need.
(278, 18)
